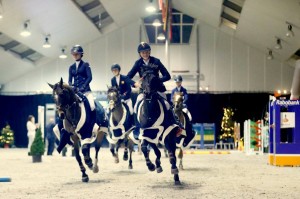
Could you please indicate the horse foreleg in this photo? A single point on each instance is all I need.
(86, 155)
(180, 157)
(158, 156)
(112, 150)
(99, 140)
(144, 147)
(166, 152)
(125, 156)
(170, 143)
(130, 147)
(85, 177)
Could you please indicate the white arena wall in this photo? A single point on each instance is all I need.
(226, 64)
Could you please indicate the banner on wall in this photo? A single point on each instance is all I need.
(287, 120)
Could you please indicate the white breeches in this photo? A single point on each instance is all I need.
(90, 97)
(30, 141)
(129, 104)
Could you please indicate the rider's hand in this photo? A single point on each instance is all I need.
(137, 84)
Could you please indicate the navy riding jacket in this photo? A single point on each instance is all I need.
(80, 79)
(155, 64)
(183, 91)
(124, 86)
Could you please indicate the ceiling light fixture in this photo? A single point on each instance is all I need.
(156, 23)
(290, 32)
(161, 36)
(63, 54)
(150, 7)
(270, 55)
(25, 32)
(278, 44)
(46, 43)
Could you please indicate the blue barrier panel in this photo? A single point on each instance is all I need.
(205, 135)
(284, 133)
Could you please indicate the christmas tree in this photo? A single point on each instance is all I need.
(37, 147)
(227, 124)
(7, 136)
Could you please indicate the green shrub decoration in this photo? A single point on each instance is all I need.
(38, 146)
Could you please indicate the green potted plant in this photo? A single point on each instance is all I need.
(37, 148)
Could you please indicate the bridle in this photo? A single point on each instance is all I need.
(113, 96)
(147, 85)
(67, 107)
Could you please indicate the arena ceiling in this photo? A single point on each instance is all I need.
(258, 23)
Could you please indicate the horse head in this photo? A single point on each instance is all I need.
(150, 83)
(64, 97)
(113, 96)
(178, 101)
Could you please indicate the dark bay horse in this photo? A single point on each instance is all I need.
(120, 126)
(188, 134)
(155, 127)
(85, 126)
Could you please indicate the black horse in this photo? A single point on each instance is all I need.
(188, 134)
(155, 127)
(85, 126)
(120, 126)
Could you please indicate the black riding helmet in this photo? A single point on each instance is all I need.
(143, 46)
(115, 66)
(77, 49)
(178, 78)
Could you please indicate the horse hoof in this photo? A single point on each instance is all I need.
(117, 160)
(174, 171)
(176, 183)
(85, 179)
(151, 166)
(96, 169)
(181, 167)
(130, 167)
(159, 169)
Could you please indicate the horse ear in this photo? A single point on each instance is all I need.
(61, 82)
(52, 86)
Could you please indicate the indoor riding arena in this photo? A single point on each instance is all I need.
(157, 99)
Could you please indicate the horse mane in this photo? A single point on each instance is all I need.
(112, 89)
(64, 86)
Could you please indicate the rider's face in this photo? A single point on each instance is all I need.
(145, 54)
(116, 72)
(178, 84)
(76, 56)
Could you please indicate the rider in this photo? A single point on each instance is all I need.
(144, 61)
(180, 88)
(80, 75)
(123, 83)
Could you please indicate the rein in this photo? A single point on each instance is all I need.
(67, 108)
